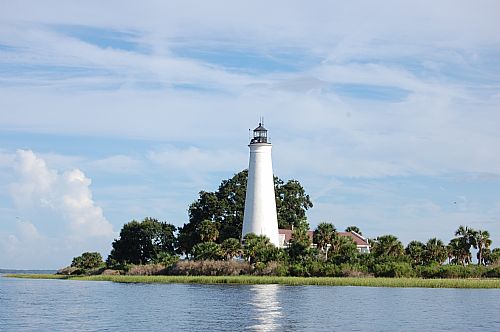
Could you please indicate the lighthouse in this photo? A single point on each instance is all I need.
(260, 206)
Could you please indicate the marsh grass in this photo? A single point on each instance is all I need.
(292, 281)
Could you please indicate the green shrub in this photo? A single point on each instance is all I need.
(331, 270)
(166, 259)
(353, 270)
(207, 251)
(460, 271)
(210, 268)
(393, 269)
(88, 260)
(493, 272)
(297, 270)
(429, 271)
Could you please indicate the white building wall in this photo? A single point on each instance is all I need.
(260, 206)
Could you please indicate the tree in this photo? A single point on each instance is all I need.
(457, 253)
(231, 247)
(225, 207)
(141, 242)
(291, 203)
(205, 208)
(258, 248)
(207, 251)
(323, 236)
(465, 240)
(208, 231)
(415, 250)
(343, 250)
(495, 256)
(482, 241)
(387, 246)
(354, 229)
(87, 260)
(435, 251)
(300, 244)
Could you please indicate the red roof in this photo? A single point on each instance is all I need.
(358, 239)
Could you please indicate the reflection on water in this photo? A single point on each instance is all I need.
(62, 305)
(267, 309)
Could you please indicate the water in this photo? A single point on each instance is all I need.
(62, 305)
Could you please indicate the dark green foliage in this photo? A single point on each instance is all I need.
(459, 247)
(210, 268)
(415, 250)
(482, 243)
(166, 259)
(291, 203)
(343, 250)
(141, 242)
(452, 271)
(393, 269)
(88, 260)
(208, 231)
(387, 246)
(207, 251)
(495, 256)
(493, 272)
(353, 229)
(225, 208)
(231, 247)
(323, 237)
(435, 252)
(299, 247)
(258, 248)
(205, 208)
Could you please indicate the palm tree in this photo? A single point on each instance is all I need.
(255, 247)
(435, 251)
(482, 241)
(323, 236)
(207, 251)
(354, 229)
(466, 239)
(208, 231)
(231, 247)
(415, 250)
(343, 249)
(457, 253)
(387, 245)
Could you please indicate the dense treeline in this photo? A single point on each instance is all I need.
(210, 244)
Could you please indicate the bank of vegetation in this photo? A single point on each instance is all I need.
(291, 281)
(210, 244)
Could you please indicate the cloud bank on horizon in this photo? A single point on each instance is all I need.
(386, 112)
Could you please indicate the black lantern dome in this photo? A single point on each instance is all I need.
(259, 135)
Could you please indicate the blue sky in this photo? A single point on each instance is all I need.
(387, 113)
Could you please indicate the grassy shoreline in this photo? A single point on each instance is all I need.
(292, 281)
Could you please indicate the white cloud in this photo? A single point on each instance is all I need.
(67, 194)
(57, 218)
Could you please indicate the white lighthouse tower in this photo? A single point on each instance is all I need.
(260, 206)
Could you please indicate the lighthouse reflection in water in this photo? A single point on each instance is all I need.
(266, 307)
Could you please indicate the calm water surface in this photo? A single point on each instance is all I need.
(57, 305)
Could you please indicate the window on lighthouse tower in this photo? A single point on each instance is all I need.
(259, 134)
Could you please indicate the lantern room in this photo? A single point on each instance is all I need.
(259, 135)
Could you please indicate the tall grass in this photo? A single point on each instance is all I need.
(253, 280)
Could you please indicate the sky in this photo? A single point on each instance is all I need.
(387, 112)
